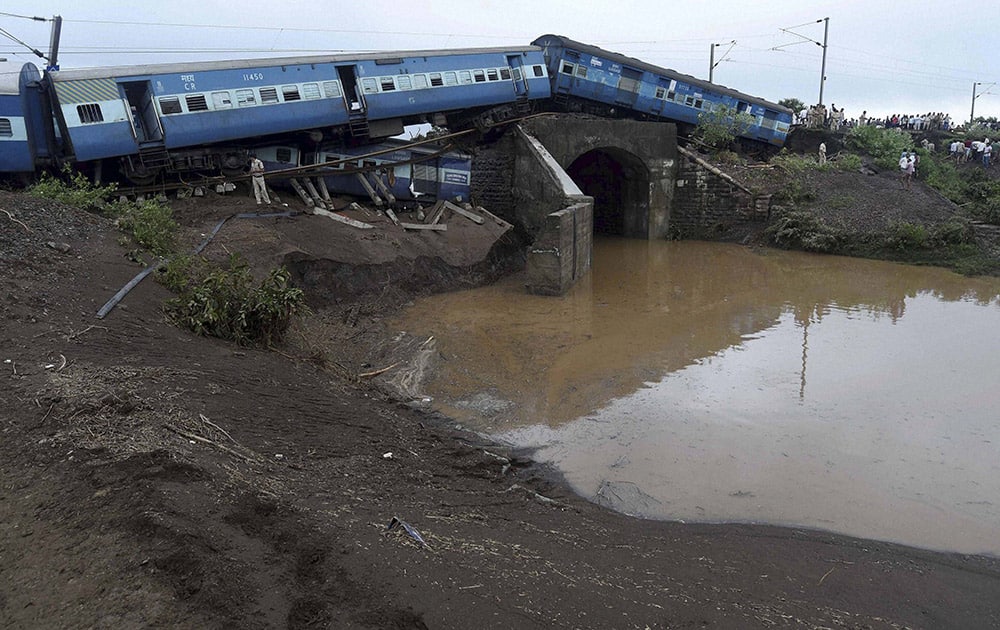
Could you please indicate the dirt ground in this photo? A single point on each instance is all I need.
(150, 478)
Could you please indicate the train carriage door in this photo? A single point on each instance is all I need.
(628, 86)
(517, 75)
(353, 96)
(142, 111)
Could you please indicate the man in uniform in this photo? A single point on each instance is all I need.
(257, 175)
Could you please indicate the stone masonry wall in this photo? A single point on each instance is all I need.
(493, 178)
(704, 202)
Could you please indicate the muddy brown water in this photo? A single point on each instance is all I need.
(710, 382)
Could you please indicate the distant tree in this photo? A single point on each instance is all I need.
(793, 104)
(719, 127)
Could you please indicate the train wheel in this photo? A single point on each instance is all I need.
(141, 175)
(233, 164)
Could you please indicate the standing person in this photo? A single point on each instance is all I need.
(905, 170)
(822, 153)
(257, 174)
(987, 152)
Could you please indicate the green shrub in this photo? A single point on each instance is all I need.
(73, 189)
(903, 236)
(149, 223)
(226, 303)
(803, 230)
(847, 162)
(884, 145)
(719, 127)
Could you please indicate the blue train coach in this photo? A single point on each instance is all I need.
(167, 116)
(23, 138)
(411, 173)
(589, 79)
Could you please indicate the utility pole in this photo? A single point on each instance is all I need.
(54, 43)
(822, 72)
(972, 114)
(711, 57)
(803, 39)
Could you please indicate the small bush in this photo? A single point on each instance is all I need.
(149, 223)
(73, 189)
(803, 230)
(903, 236)
(848, 162)
(226, 303)
(884, 145)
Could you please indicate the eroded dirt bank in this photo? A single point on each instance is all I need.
(150, 478)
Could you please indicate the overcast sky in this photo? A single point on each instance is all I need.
(883, 56)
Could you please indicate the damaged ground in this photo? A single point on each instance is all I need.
(152, 478)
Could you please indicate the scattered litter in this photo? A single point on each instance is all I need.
(387, 455)
(279, 456)
(409, 530)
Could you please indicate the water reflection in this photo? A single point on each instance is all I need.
(712, 382)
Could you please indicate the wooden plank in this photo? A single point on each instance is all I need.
(424, 226)
(384, 189)
(496, 219)
(472, 216)
(436, 211)
(392, 216)
(306, 199)
(348, 221)
(371, 191)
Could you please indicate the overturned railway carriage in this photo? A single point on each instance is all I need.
(410, 173)
(194, 116)
(589, 79)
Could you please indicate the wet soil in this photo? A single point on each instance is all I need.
(153, 478)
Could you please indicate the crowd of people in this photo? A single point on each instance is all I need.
(818, 116)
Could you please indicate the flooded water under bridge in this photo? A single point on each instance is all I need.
(712, 382)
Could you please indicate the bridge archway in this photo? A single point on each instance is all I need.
(619, 183)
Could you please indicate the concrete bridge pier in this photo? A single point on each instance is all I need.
(576, 176)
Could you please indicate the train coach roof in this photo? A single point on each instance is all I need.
(642, 65)
(203, 66)
(10, 77)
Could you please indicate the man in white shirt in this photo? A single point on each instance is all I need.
(257, 175)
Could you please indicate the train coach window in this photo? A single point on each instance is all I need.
(310, 90)
(661, 93)
(479, 76)
(170, 105)
(196, 103)
(492, 75)
(387, 84)
(419, 81)
(290, 93)
(566, 68)
(464, 77)
(222, 100)
(332, 89)
(699, 103)
(6, 130)
(671, 96)
(581, 71)
(404, 82)
(90, 113)
(268, 95)
(245, 98)
(505, 73)
(369, 86)
(539, 70)
(450, 78)
(436, 80)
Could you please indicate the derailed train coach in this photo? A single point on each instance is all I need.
(589, 79)
(411, 173)
(25, 138)
(147, 120)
